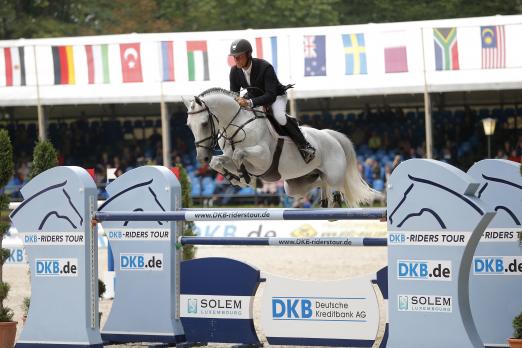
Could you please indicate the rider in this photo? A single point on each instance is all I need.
(259, 78)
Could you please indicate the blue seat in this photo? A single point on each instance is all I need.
(208, 186)
(196, 188)
(246, 191)
(378, 185)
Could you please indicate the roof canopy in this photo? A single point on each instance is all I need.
(374, 59)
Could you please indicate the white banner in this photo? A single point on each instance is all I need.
(344, 309)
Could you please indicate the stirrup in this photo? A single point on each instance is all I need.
(307, 152)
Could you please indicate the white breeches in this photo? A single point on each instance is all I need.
(279, 109)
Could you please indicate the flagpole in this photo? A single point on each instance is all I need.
(427, 104)
(165, 129)
(42, 121)
(291, 98)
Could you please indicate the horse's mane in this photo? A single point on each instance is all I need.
(218, 90)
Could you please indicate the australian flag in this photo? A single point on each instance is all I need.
(315, 55)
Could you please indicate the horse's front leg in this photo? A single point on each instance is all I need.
(257, 155)
(223, 164)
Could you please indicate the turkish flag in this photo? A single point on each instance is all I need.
(131, 62)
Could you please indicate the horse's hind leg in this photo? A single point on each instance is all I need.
(324, 194)
(337, 199)
(299, 187)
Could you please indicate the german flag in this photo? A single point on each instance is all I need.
(63, 65)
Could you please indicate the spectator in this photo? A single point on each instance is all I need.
(514, 156)
(375, 141)
(500, 154)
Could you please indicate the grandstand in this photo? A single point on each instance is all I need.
(381, 129)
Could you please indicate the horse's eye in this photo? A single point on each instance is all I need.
(204, 124)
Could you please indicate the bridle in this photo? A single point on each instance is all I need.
(215, 135)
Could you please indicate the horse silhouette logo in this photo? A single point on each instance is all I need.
(491, 183)
(145, 191)
(50, 203)
(431, 200)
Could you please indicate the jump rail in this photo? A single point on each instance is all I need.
(273, 241)
(245, 214)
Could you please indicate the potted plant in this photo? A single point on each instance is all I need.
(7, 325)
(101, 290)
(25, 308)
(516, 340)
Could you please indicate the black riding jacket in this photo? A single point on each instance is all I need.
(262, 77)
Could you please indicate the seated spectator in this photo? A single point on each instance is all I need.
(375, 141)
(376, 171)
(270, 194)
(514, 156)
(500, 154)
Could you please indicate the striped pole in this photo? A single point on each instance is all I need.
(275, 241)
(246, 214)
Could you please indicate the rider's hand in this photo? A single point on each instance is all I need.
(243, 102)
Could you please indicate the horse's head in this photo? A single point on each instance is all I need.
(203, 126)
(212, 109)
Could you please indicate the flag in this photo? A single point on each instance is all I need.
(97, 63)
(446, 48)
(14, 61)
(266, 48)
(167, 60)
(395, 59)
(354, 54)
(493, 47)
(315, 55)
(63, 63)
(131, 62)
(197, 60)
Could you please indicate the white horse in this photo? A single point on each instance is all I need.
(250, 144)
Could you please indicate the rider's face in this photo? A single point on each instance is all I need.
(241, 60)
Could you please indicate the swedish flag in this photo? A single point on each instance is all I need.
(354, 54)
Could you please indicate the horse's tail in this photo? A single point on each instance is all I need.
(356, 190)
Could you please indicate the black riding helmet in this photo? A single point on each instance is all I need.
(240, 46)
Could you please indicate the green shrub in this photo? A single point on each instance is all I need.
(189, 251)
(6, 171)
(517, 325)
(44, 157)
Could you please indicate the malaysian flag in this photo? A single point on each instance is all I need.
(493, 47)
(315, 55)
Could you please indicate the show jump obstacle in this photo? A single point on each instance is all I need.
(453, 278)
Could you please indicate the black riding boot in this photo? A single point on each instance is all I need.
(307, 151)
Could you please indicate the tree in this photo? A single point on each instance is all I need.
(44, 157)
(46, 18)
(6, 171)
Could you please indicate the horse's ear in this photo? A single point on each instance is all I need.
(196, 98)
(186, 102)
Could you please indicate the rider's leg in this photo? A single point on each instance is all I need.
(292, 128)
